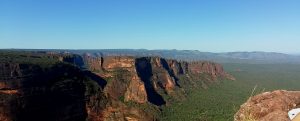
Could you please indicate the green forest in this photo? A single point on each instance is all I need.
(221, 101)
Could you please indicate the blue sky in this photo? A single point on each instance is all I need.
(205, 25)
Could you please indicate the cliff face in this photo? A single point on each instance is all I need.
(59, 93)
(269, 106)
(146, 79)
(31, 93)
(78, 88)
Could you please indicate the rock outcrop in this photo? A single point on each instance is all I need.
(136, 91)
(113, 62)
(269, 106)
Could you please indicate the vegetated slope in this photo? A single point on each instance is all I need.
(220, 102)
(68, 87)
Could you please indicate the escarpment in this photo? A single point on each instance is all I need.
(147, 79)
(68, 87)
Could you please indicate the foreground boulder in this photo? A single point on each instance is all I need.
(269, 106)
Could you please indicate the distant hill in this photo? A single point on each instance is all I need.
(192, 55)
(262, 57)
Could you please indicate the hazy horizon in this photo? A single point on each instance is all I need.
(146, 49)
(207, 26)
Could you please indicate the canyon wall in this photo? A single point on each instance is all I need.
(144, 79)
(31, 93)
(96, 88)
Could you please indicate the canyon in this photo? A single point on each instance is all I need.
(75, 87)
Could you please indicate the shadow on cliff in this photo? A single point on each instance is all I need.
(144, 71)
(171, 72)
(53, 94)
(100, 81)
(75, 60)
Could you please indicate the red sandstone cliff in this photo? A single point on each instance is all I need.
(135, 78)
(102, 92)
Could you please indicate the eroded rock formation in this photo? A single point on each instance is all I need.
(136, 91)
(96, 88)
(137, 78)
(269, 106)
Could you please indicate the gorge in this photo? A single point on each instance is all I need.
(69, 87)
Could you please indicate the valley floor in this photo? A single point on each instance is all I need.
(220, 102)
